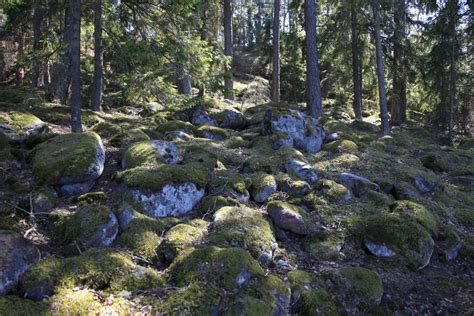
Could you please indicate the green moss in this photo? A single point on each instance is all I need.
(127, 137)
(200, 154)
(99, 269)
(364, 284)
(212, 203)
(467, 249)
(261, 180)
(139, 154)
(465, 217)
(13, 305)
(235, 142)
(90, 197)
(217, 266)
(242, 227)
(417, 211)
(176, 125)
(195, 299)
(300, 279)
(467, 143)
(65, 155)
(34, 140)
(317, 302)
(82, 226)
(324, 246)
(181, 237)
(401, 234)
(157, 178)
(212, 132)
(19, 120)
(225, 180)
(341, 146)
(334, 191)
(143, 236)
(272, 205)
(12, 95)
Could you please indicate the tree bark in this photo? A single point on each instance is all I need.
(75, 50)
(182, 80)
(98, 79)
(276, 52)
(37, 21)
(313, 85)
(356, 73)
(399, 99)
(20, 71)
(258, 23)
(228, 49)
(380, 69)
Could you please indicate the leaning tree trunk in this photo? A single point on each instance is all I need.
(75, 49)
(313, 85)
(399, 99)
(380, 69)
(228, 51)
(37, 21)
(276, 52)
(356, 73)
(97, 82)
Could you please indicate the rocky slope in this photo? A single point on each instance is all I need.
(212, 211)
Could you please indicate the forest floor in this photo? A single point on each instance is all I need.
(416, 199)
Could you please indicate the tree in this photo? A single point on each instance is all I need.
(97, 82)
(399, 93)
(228, 48)
(37, 21)
(276, 52)
(356, 71)
(313, 85)
(75, 53)
(380, 68)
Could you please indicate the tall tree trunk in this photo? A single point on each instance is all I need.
(356, 73)
(228, 51)
(37, 21)
(258, 23)
(182, 80)
(62, 70)
(380, 69)
(276, 52)
(313, 84)
(398, 100)
(20, 71)
(75, 49)
(97, 82)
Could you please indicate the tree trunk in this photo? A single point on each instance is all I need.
(228, 51)
(258, 24)
(37, 21)
(20, 71)
(313, 85)
(276, 52)
(356, 73)
(182, 80)
(398, 101)
(75, 50)
(97, 82)
(380, 69)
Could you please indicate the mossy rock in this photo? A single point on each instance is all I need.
(212, 132)
(89, 226)
(90, 198)
(141, 235)
(150, 153)
(293, 186)
(290, 217)
(341, 146)
(13, 305)
(263, 186)
(211, 203)
(420, 213)
(86, 302)
(156, 178)
(324, 246)
(101, 269)
(225, 268)
(34, 140)
(20, 125)
(182, 236)
(360, 284)
(200, 154)
(230, 183)
(127, 137)
(236, 142)
(177, 125)
(70, 158)
(334, 191)
(465, 217)
(449, 243)
(395, 235)
(245, 228)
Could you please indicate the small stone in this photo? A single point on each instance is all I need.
(290, 217)
(302, 170)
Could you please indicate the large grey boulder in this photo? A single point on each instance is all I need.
(227, 118)
(71, 163)
(290, 217)
(303, 129)
(357, 184)
(19, 125)
(17, 255)
(302, 170)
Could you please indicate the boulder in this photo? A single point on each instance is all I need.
(227, 118)
(290, 217)
(334, 191)
(150, 153)
(302, 170)
(296, 187)
(19, 126)
(212, 132)
(302, 128)
(202, 117)
(358, 185)
(167, 190)
(263, 186)
(71, 162)
(17, 255)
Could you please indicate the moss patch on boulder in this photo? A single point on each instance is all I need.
(13, 305)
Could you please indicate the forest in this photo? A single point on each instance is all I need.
(236, 157)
